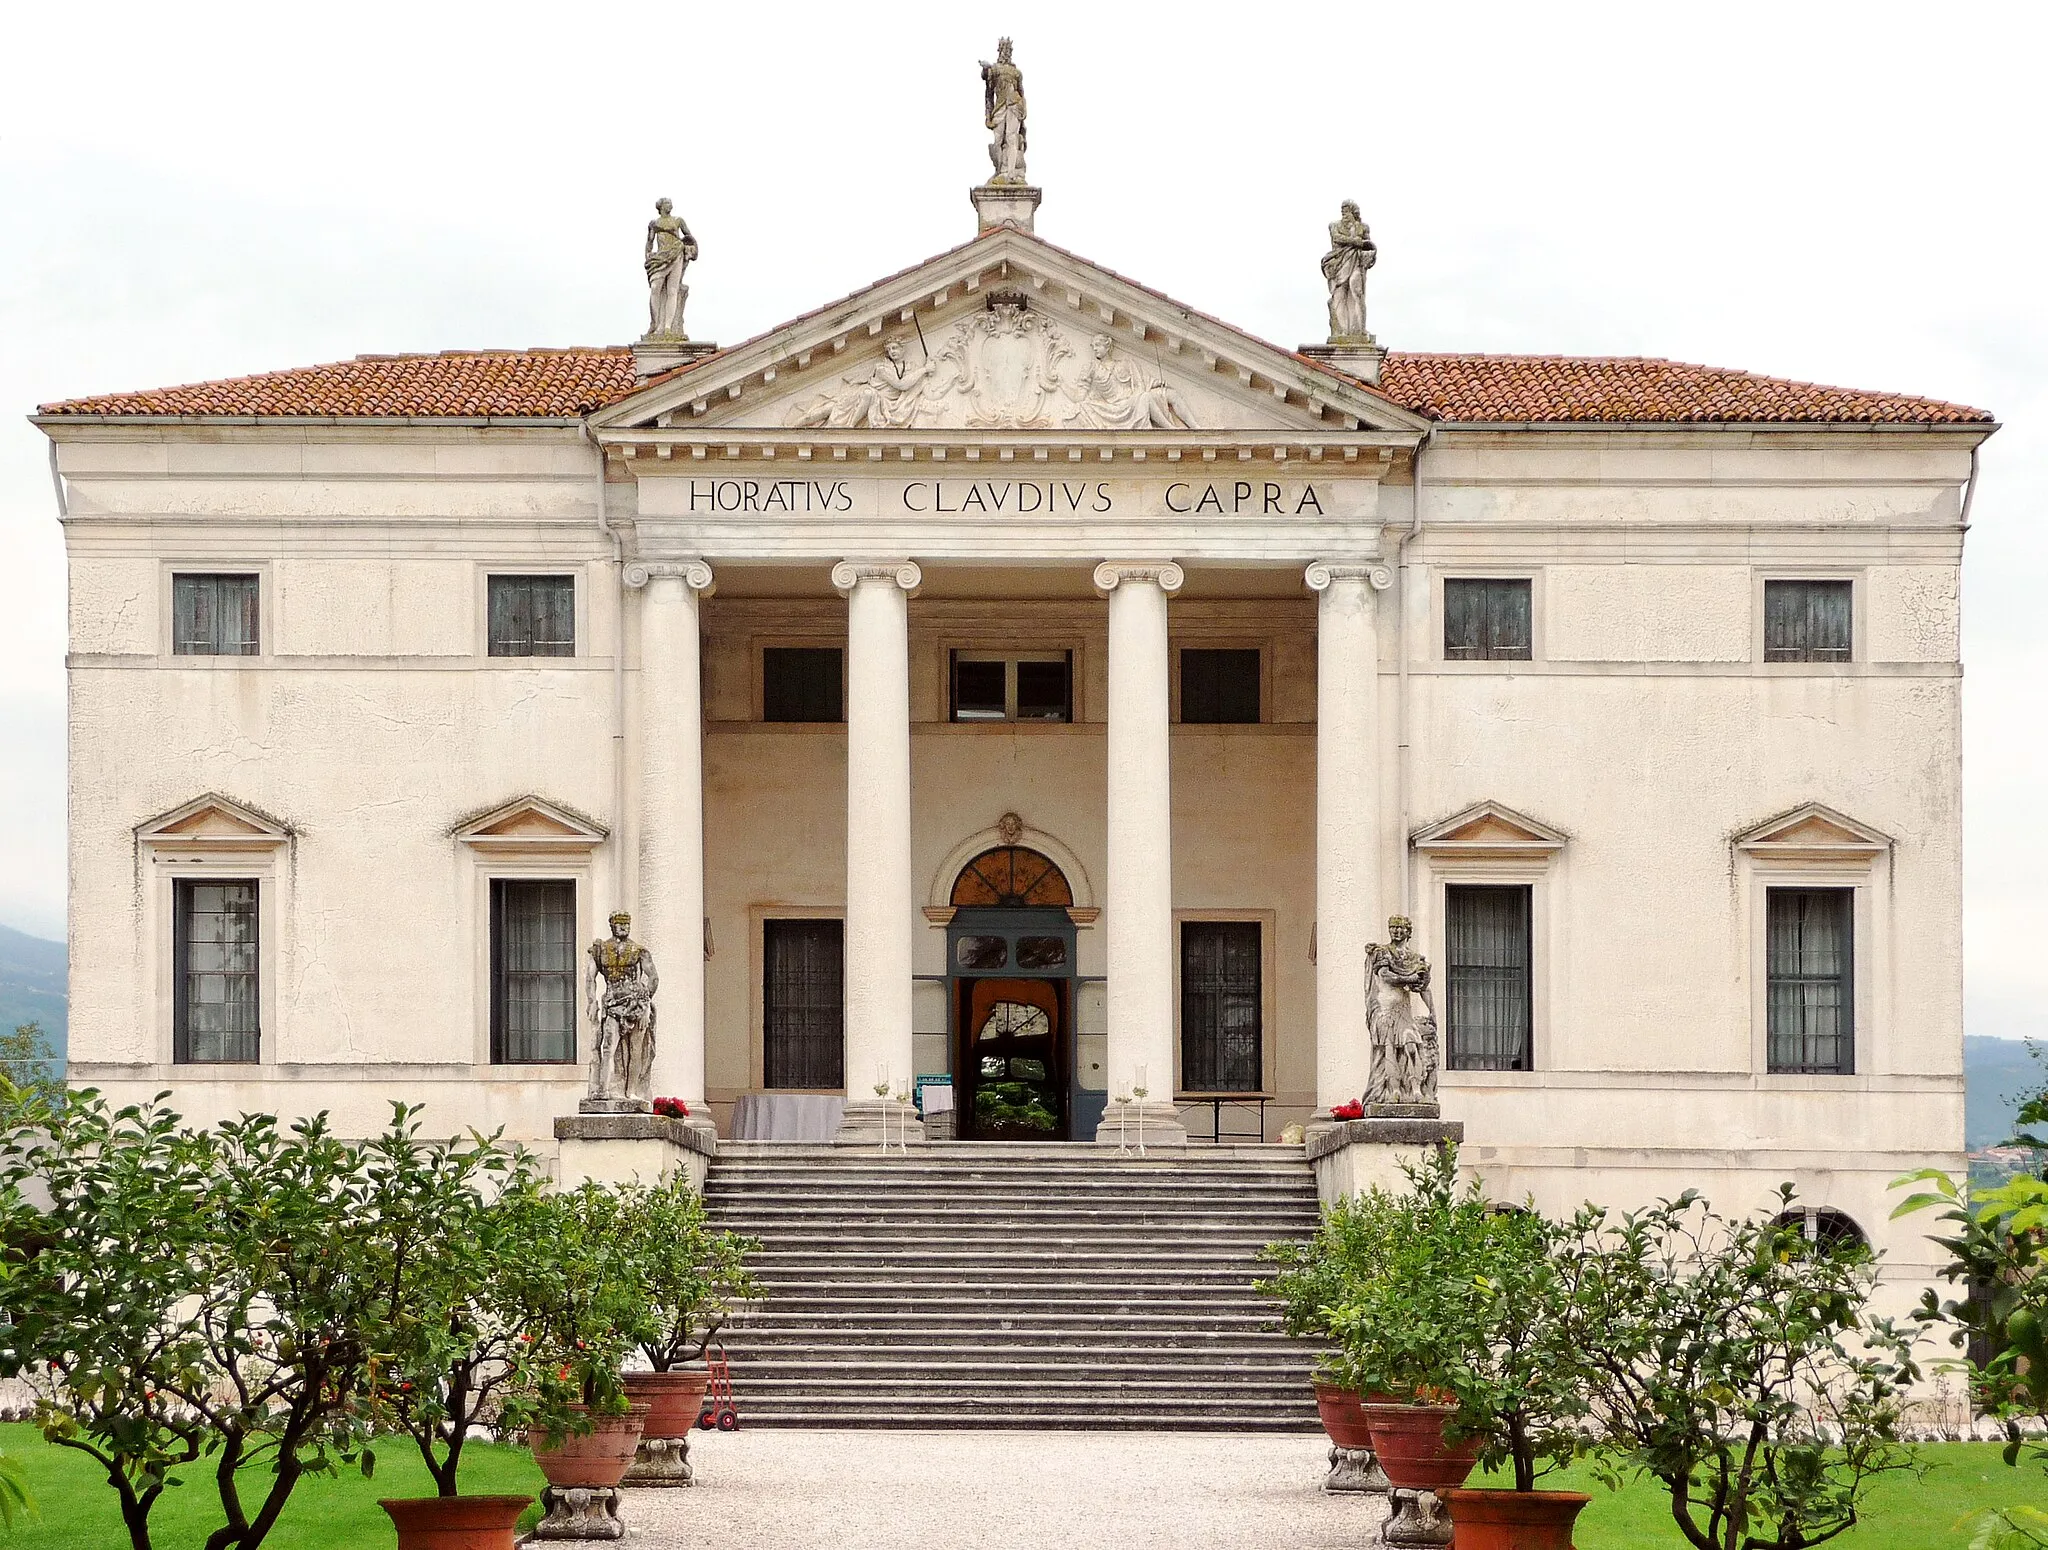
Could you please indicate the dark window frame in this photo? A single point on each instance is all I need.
(1009, 662)
(184, 895)
(1795, 615)
(1793, 996)
(1209, 698)
(1477, 602)
(812, 695)
(501, 973)
(530, 643)
(788, 1050)
(1211, 1067)
(190, 603)
(1470, 986)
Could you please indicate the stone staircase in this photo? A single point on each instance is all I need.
(1008, 1285)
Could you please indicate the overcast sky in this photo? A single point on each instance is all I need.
(1845, 194)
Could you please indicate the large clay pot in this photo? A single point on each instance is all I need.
(1343, 1416)
(1412, 1449)
(1513, 1520)
(456, 1522)
(673, 1399)
(598, 1458)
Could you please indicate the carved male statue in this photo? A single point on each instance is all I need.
(622, 985)
(1351, 254)
(1403, 1038)
(670, 251)
(1002, 89)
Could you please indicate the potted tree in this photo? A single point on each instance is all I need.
(692, 1277)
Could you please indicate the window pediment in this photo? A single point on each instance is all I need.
(1489, 831)
(1813, 833)
(214, 823)
(531, 825)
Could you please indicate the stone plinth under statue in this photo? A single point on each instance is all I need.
(1351, 1156)
(628, 1148)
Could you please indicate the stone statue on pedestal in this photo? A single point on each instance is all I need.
(1351, 254)
(1401, 1018)
(669, 253)
(1002, 85)
(622, 985)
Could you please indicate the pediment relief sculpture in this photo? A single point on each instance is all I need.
(1005, 367)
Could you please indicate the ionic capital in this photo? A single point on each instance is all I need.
(694, 574)
(1166, 575)
(1322, 574)
(848, 574)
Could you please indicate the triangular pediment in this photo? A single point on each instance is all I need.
(531, 823)
(1812, 829)
(1007, 334)
(214, 820)
(1489, 827)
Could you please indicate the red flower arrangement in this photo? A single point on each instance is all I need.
(1352, 1110)
(673, 1108)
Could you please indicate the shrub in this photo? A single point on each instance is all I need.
(691, 1276)
(580, 1295)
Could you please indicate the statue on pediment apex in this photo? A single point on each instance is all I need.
(1002, 87)
(1351, 254)
(669, 253)
(1400, 1016)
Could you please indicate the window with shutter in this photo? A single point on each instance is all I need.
(1486, 620)
(803, 1004)
(1807, 621)
(215, 616)
(1487, 981)
(1221, 1011)
(533, 616)
(802, 683)
(1809, 969)
(533, 971)
(216, 969)
(1219, 686)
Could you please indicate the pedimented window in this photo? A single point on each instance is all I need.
(1489, 831)
(531, 825)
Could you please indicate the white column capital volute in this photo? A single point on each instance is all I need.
(694, 574)
(1166, 575)
(848, 574)
(1322, 574)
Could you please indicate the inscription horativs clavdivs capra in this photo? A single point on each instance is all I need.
(1008, 368)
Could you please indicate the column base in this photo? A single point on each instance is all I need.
(1418, 1519)
(879, 1121)
(1356, 1470)
(1148, 1125)
(579, 1512)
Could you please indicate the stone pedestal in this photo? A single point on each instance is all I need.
(578, 1512)
(1351, 1156)
(626, 1148)
(661, 1461)
(1015, 205)
(652, 357)
(871, 1121)
(1418, 1519)
(1355, 1470)
(1360, 358)
(1152, 1124)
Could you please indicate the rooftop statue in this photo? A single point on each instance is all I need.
(1351, 254)
(622, 985)
(1002, 86)
(1404, 1041)
(670, 251)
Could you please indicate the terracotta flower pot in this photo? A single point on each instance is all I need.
(673, 1399)
(456, 1522)
(1513, 1520)
(1412, 1449)
(599, 1457)
(1343, 1416)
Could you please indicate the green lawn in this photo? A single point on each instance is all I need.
(79, 1511)
(1903, 1513)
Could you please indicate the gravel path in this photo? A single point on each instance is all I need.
(868, 1490)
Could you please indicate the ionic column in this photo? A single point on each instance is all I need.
(1347, 819)
(1138, 919)
(671, 918)
(880, 898)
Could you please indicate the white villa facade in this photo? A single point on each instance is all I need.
(1064, 713)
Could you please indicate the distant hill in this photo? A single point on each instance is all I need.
(1996, 1073)
(32, 984)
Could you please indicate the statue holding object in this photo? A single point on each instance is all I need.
(1002, 89)
(1351, 254)
(1401, 1019)
(622, 986)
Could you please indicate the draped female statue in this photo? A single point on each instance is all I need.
(1403, 1038)
(1351, 254)
(669, 253)
(1114, 395)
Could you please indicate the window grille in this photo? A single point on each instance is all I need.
(803, 1017)
(216, 972)
(1486, 620)
(1219, 687)
(1807, 621)
(1221, 1011)
(215, 616)
(533, 616)
(1809, 967)
(802, 683)
(533, 971)
(1487, 978)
